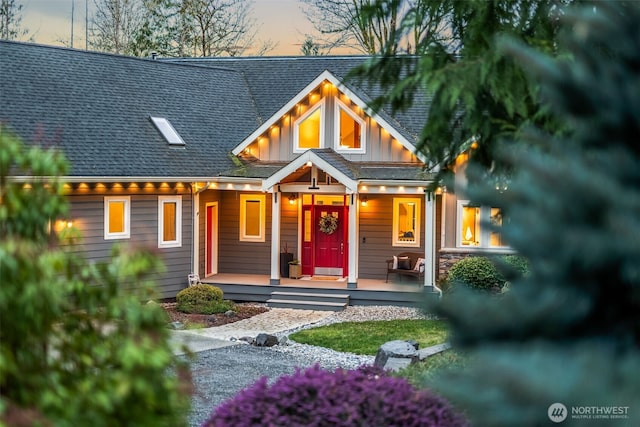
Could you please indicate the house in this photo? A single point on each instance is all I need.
(222, 163)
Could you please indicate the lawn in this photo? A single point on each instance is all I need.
(366, 337)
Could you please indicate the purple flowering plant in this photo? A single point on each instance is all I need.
(315, 397)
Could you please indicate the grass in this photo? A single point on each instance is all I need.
(366, 337)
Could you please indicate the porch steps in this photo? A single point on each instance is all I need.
(308, 301)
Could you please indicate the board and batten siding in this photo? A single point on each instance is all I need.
(277, 143)
(87, 213)
(375, 245)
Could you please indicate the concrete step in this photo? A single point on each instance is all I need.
(307, 296)
(308, 300)
(306, 305)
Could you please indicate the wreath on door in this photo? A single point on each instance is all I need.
(328, 224)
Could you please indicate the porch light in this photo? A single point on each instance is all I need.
(364, 201)
(293, 198)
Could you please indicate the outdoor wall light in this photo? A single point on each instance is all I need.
(293, 198)
(364, 200)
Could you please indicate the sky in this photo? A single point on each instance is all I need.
(49, 22)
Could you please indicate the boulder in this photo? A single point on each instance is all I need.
(396, 350)
(265, 340)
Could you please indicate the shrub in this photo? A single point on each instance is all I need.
(517, 264)
(315, 397)
(476, 272)
(202, 299)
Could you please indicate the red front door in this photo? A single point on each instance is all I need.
(324, 252)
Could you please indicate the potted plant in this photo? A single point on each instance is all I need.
(295, 269)
(285, 258)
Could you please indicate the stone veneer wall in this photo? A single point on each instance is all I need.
(449, 256)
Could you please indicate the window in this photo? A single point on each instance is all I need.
(117, 212)
(308, 129)
(473, 230)
(168, 132)
(349, 129)
(252, 218)
(406, 222)
(169, 221)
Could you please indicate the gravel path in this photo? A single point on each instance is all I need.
(221, 373)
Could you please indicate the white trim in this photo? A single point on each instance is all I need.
(244, 198)
(327, 75)
(320, 105)
(484, 239)
(339, 106)
(214, 239)
(309, 156)
(177, 242)
(395, 239)
(276, 214)
(126, 220)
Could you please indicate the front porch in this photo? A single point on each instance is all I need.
(256, 288)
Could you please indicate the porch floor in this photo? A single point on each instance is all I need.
(256, 287)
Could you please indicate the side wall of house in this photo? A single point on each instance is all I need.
(87, 214)
(448, 251)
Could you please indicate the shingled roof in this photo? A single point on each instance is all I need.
(96, 107)
(292, 74)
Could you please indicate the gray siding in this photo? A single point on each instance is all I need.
(376, 225)
(87, 213)
(235, 256)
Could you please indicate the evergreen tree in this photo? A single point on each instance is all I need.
(474, 91)
(77, 346)
(569, 332)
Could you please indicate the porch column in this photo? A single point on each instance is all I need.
(275, 238)
(429, 237)
(352, 279)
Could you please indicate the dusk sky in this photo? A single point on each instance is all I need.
(49, 22)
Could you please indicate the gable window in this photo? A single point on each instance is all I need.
(406, 222)
(349, 129)
(169, 221)
(252, 218)
(308, 129)
(472, 226)
(117, 213)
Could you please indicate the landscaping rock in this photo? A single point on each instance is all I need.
(265, 340)
(397, 350)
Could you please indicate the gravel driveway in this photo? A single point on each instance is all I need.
(220, 373)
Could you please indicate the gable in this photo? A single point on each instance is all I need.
(280, 138)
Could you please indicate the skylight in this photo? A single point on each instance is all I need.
(169, 133)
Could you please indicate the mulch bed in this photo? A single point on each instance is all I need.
(243, 311)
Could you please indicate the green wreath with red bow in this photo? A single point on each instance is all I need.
(328, 224)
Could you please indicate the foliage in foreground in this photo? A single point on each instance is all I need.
(569, 331)
(367, 337)
(315, 397)
(76, 348)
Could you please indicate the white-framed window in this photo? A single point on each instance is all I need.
(117, 217)
(169, 221)
(472, 229)
(406, 221)
(252, 218)
(308, 129)
(349, 129)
